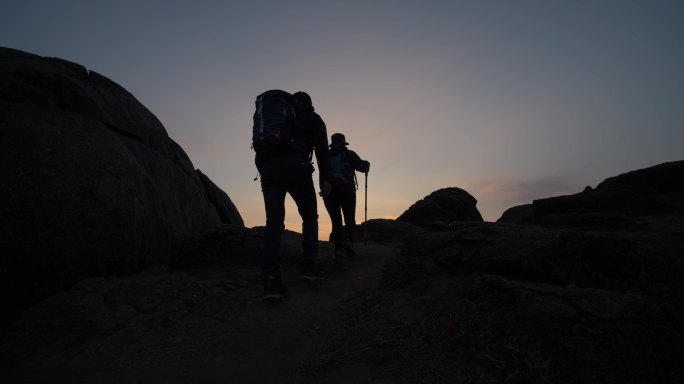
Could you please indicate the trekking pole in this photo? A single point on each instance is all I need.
(365, 228)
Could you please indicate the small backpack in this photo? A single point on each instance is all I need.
(273, 122)
(342, 171)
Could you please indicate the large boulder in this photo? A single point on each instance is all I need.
(655, 190)
(444, 205)
(91, 183)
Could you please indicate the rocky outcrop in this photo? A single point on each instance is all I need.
(443, 206)
(655, 190)
(594, 282)
(91, 183)
(607, 309)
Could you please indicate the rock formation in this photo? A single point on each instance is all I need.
(443, 206)
(656, 189)
(595, 281)
(603, 309)
(91, 183)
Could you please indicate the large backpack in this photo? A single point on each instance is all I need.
(274, 117)
(342, 171)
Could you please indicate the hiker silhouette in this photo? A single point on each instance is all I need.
(287, 168)
(342, 199)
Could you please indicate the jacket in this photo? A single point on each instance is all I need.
(310, 132)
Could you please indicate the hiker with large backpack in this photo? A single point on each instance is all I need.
(285, 133)
(342, 200)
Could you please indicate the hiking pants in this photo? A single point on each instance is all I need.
(342, 198)
(279, 176)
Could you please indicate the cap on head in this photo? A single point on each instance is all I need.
(338, 140)
(301, 98)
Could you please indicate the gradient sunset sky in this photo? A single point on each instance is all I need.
(510, 100)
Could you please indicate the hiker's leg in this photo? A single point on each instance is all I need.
(348, 202)
(332, 205)
(274, 201)
(304, 194)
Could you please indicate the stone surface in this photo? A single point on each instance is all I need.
(444, 205)
(91, 183)
(611, 310)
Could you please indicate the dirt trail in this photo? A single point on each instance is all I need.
(167, 327)
(278, 339)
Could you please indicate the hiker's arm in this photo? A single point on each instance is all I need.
(320, 136)
(358, 164)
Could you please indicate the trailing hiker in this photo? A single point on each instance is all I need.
(286, 131)
(342, 200)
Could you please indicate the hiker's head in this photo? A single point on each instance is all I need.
(301, 98)
(338, 140)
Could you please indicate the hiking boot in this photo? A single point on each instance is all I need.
(274, 290)
(339, 256)
(349, 250)
(311, 274)
(275, 294)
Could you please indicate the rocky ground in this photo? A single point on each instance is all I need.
(472, 302)
(201, 322)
